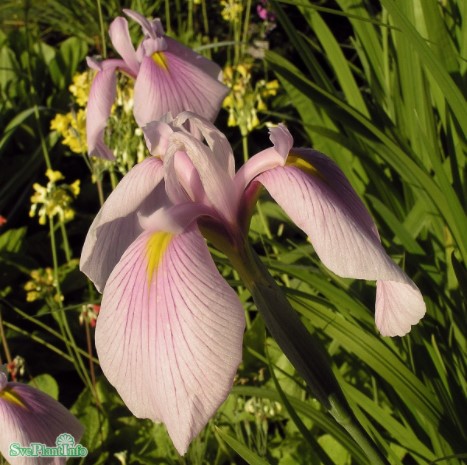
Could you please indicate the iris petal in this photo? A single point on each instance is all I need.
(176, 86)
(36, 417)
(101, 99)
(169, 333)
(116, 226)
(314, 192)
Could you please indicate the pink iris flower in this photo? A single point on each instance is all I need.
(169, 333)
(28, 415)
(168, 77)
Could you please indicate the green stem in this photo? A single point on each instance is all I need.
(66, 244)
(102, 29)
(61, 318)
(4, 341)
(39, 340)
(302, 348)
(168, 27)
(46, 328)
(348, 421)
(33, 93)
(246, 26)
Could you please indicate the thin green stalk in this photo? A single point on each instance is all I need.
(45, 327)
(15, 328)
(167, 17)
(66, 244)
(205, 17)
(102, 29)
(190, 16)
(246, 24)
(245, 146)
(61, 317)
(113, 178)
(302, 348)
(4, 341)
(91, 363)
(33, 93)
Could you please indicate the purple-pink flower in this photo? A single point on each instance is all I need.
(169, 77)
(264, 13)
(27, 416)
(169, 333)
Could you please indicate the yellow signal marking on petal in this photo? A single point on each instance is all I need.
(304, 165)
(155, 249)
(12, 397)
(160, 60)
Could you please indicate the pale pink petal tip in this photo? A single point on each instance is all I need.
(281, 139)
(399, 306)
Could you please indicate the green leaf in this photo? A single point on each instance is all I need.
(71, 53)
(434, 66)
(45, 383)
(241, 449)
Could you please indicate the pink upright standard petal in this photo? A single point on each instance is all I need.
(169, 333)
(101, 99)
(120, 37)
(116, 226)
(168, 83)
(28, 415)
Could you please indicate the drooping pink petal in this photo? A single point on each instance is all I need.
(28, 415)
(398, 307)
(169, 333)
(116, 226)
(121, 41)
(314, 192)
(101, 98)
(168, 83)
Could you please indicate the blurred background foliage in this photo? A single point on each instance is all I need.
(379, 86)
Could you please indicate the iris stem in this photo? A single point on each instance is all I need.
(302, 348)
(102, 29)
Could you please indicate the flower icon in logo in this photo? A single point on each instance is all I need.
(65, 439)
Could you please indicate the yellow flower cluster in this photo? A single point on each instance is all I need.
(41, 285)
(54, 199)
(72, 126)
(231, 10)
(81, 87)
(246, 99)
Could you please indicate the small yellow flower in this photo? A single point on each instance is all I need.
(54, 176)
(231, 10)
(246, 98)
(75, 187)
(54, 200)
(60, 123)
(81, 87)
(41, 284)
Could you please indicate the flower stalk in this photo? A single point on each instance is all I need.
(300, 346)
